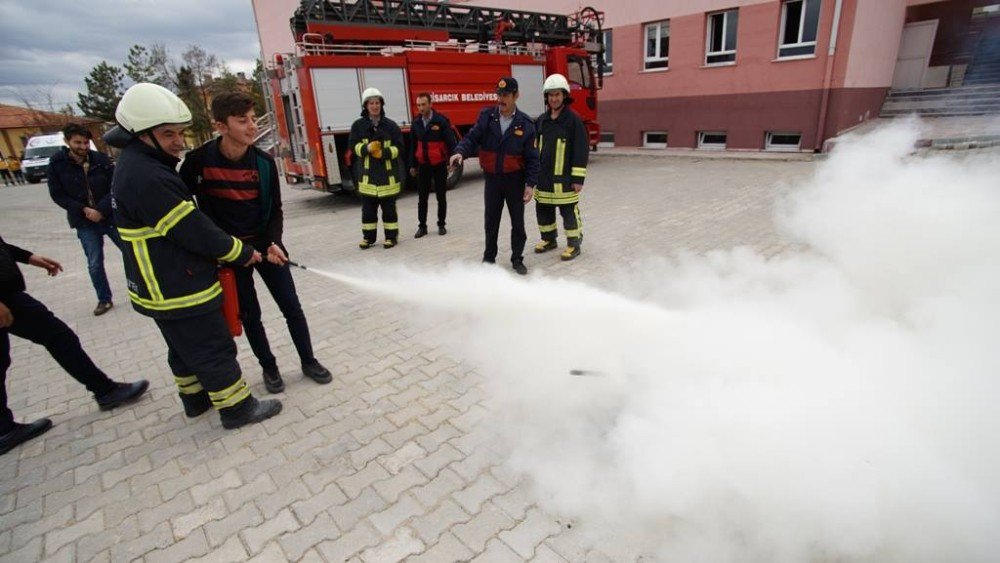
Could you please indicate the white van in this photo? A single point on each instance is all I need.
(37, 152)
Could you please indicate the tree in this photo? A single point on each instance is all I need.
(104, 90)
(257, 92)
(139, 65)
(189, 91)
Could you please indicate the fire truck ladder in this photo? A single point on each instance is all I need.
(461, 22)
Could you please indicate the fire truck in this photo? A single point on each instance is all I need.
(405, 47)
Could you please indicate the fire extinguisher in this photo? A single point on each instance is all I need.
(230, 301)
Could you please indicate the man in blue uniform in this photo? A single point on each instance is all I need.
(505, 137)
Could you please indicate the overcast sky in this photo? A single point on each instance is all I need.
(49, 46)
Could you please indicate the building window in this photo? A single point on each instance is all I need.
(657, 45)
(711, 139)
(721, 40)
(799, 22)
(654, 139)
(782, 142)
(607, 139)
(608, 51)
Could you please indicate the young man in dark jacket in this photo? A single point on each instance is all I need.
(171, 252)
(237, 186)
(431, 141)
(564, 150)
(505, 137)
(80, 182)
(376, 142)
(23, 315)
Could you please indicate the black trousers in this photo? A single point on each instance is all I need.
(202, 357)
(369, 217)
(572, 222)
(438, 176)
(502, 190)
(34, 322)
(281, 286)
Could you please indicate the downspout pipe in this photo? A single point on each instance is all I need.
(828, 76)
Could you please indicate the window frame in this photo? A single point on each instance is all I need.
(799, 44)
(712, 146)
(646, 144)
(609, 44)
(708, 38)
(657, 59)
(769, 146)
(606, 140)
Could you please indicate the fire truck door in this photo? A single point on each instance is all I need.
(392, 83)
(529, 81)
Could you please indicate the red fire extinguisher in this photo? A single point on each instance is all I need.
(230, 302)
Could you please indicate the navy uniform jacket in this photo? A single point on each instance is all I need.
(511, 156)
(563, 149)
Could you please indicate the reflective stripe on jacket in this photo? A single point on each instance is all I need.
(378, 175)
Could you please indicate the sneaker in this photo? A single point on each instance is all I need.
(389, 243)
(249, 411)
(366, 244)
(273, 381)
(545, 246)
(442, 231)
(122, 394)
(102, 307)
(315, 371)
(520, 268)
(21, 433)
(422, 231)
(570, 253)
(197, 404)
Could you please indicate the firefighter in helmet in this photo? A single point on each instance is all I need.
(377, 145)
(563, 148)
(171, 252)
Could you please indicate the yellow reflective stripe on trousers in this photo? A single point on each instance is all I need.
(369, 226)
(173, 217)
(188, 384)
(230, 395)
(234, 252)
(141, 251)
(560, 156)
(578, 171)
(391, 226)
(547, 228)
(181, 302)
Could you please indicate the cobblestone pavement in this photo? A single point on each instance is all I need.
(383, 464)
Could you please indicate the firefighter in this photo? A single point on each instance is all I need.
(563, 150)
(505, 137)
(431, 141)
(171, 252)
(377, 144)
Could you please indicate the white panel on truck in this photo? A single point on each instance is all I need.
(530, 79)
(338, 98)
(392, 83)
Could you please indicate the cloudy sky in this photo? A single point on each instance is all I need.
(47, 47)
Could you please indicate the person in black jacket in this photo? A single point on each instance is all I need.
(376, 142)
(431, 141)
(80, 182)
(505, 137)
(23, 315)
(171, 252)
(237, 186)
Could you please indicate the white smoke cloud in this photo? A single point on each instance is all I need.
(831, 404)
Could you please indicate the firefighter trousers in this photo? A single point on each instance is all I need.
(369, 217)
(202, 357)
(500, 190)
(426, 175)
(572, 222)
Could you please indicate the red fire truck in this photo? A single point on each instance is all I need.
(404, 47)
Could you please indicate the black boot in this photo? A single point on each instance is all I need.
(196, 404)
(122, 394)
(249, 411)
(273, 381)
(315, 371)
(21, 433)
(421, 231)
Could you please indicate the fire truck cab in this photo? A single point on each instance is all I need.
(406, 47)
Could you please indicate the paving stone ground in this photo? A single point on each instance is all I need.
(385, 463)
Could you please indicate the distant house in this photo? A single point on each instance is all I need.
(18, 124)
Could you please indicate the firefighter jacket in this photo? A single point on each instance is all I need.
(512, 152)
(431, 145)
(563, 151)
(171, 250)
(72, 188)
(378, 173)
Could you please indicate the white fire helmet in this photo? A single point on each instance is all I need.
(147, 105)
(556, 82)
(370, 93)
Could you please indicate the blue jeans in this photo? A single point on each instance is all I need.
(92, 238)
